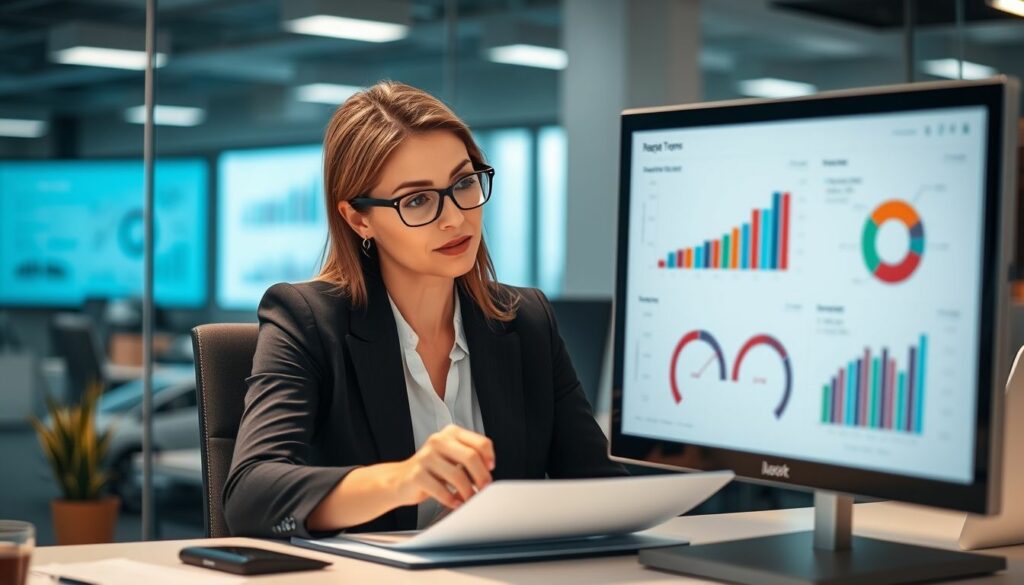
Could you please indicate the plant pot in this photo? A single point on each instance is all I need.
(85, 521)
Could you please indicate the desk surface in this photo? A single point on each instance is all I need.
(883, 520)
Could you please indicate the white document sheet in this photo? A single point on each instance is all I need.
(530, 510)
(129, 572)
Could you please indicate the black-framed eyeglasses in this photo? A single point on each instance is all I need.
(425, 206)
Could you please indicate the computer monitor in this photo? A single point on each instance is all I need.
(271, 224)
(812, 292)
(72, 230)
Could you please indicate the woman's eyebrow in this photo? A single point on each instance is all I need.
(425, 183)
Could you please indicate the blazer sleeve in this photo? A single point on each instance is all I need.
(578, 446)
(271, 489)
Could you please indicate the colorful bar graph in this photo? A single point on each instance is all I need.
(874, 392)
(862, 409)
(784, 260)
(911, 385)
(883, 386)
(734, 249)
(919, 404)
(759, 244)
(755, 220)
(855, 393)
(745, 246)
(873, 407)
(727, 246)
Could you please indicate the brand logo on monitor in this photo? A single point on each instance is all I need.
(774, 470)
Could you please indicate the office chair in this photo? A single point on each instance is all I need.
(96, 309)
(584, 325)
(224, 353)
(73, 336)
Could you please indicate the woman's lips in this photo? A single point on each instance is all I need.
(455, 248)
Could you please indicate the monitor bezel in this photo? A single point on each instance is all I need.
(1000, 96)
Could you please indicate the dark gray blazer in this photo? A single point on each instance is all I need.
(327, 394)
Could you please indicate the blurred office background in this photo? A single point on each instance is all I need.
(244, 89)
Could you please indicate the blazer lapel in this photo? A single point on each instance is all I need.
(377, 359)
(496, 368)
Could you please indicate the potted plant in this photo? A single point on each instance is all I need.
(76, 453)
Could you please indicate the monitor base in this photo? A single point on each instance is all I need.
(791, 559)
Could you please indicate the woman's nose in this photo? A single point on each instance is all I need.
(451, 215)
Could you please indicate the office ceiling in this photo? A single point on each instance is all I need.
(891, 13)
(233, 54)
(216, 45)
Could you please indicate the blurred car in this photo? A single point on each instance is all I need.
(175, 427)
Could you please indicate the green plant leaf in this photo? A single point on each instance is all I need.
(73, 447)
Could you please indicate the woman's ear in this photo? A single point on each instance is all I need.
(357, 221)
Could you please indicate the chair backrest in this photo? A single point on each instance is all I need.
(73, 336)
(223, 353)
(584, 325)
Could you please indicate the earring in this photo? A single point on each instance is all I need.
(367, 244)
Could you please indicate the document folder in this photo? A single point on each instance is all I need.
(515, 520)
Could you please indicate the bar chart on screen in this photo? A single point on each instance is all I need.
(761, 243)
(873, 392)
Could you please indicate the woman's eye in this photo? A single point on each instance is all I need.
(416, 200)
(466, 183)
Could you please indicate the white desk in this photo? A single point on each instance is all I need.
(883, 520)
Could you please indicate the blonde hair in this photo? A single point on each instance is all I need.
(361, 135)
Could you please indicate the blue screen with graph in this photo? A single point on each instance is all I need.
(73, 230)
(271, 222)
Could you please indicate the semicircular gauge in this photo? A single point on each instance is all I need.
(783, 355)
(715, 354)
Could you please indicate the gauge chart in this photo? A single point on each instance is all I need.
(714, 354)
(707, 360)
(774, 344)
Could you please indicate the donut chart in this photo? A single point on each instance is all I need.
(692, 336)
(893, 210)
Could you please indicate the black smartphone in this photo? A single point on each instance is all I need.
(246, 560)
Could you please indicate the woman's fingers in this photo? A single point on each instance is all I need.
(472, 462)
(454, 459)
(479, 443)
(453, 475)
(437, 488)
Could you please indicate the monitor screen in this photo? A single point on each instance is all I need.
(270, 220)
(808, 284)
(72, 230)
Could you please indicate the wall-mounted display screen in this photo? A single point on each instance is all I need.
(72, 230)
(271, 221)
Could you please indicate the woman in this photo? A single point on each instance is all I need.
(403, 379)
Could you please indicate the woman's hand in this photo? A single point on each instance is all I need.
(452, 459)
(450, 467)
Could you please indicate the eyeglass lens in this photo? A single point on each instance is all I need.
(422, 207)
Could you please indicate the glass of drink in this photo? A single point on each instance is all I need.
(17, 539)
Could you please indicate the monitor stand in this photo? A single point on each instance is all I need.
(1006, 528)
(830, 554)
